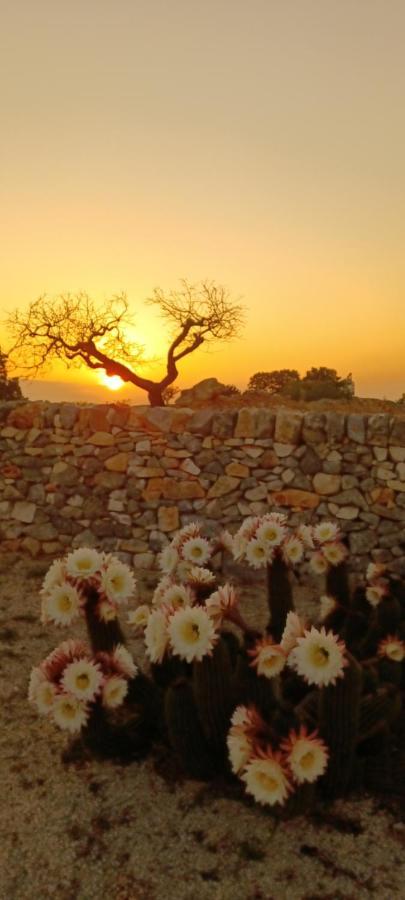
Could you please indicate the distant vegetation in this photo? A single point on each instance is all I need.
(317, 383)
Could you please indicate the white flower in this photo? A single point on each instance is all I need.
(83, 679)
(192, 530)
(168, 559)
(226, 541)
(118, 582)
(61, 605)
(37, 677)
(106, 611)
(56, 574)
(318, 657)
(305, 534)
(200, 576)
(161, 589)
(269, 659)
(69, 712)
(375, 594)
(192, 633)
(221, 601)
(115, 690)
(335, 553)
(271, 532)
(326, 532)
(124, 662)
(177, 595)
(258, 553)
(139, 617)
(156, 636)
(393, 648)
(318, 563)
(239, 546)
(374, 571)
(246, 725)
(266, 779)
(307, 755)
(45, 697)
(83, 563)
(69, 651)
(293, 629)
(327, 605)
(293, 550)
(196, 550)
(240, 749)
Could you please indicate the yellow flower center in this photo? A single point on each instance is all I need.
(196, 551)
(84, 565)
(319, 656)
(267, 781)
(191, 632)
(65, 603)
(68, 711)
(82, 681)
(307, 760)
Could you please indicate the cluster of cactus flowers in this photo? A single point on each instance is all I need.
(297, 708)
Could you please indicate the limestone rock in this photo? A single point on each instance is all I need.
(362, 541)
(168, 518)
(377, 429)
(101, 439)
(326, 484)
(295, 498)
(24, 511)
(288, 426)
(223, 485)
(237, 469)
(397, 454)
(398, 432)
(202, 393)
(356, 428)
(117, 463)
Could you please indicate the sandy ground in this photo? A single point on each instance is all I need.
(89, 830)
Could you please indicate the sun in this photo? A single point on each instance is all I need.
(112, 382)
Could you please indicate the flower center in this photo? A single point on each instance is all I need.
(320, 656)
(65, 604)
(83, 681)
(191, 632)
(307, 760)
(68, 711)
(267, 781)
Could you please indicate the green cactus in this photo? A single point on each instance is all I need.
(279, 596)
(390, 671)
(254, 689)
(337, 584)
(185, 731)
(339, 712)
(214, 692)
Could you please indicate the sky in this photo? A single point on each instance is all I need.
(259, 144)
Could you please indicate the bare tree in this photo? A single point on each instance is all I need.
(78, 331)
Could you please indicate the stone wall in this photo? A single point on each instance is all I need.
(125, 478)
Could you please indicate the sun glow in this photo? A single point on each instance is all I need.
(113, 382)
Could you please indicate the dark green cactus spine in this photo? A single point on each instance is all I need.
(103, 635)
(279, 596)
(213, 688)
(339, 712)
(185, 731)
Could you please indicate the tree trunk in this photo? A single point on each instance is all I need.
(155, 395)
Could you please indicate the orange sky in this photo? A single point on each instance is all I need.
(259, 144)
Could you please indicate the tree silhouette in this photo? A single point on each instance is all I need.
(80, 332)
(272, 382)
(9, 387)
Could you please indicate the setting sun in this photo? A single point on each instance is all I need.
(113, 382)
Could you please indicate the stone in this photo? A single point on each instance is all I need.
(295, 498)
(397, 454)
(398, 432)
(288, 476)
(326, 484)
(24, 511)
(310, 462)
(343, 512)
(117, 463)
(62, 473)
(384, 474)
(283, 450)
(380, 453)
(31, 545)
(204, 392)
(223, 424)
(201, 423)
(356, 428)
(101, 439)
(223, 485)
(42, 532)
(362, 541)
(253, 452)
(288, 426)
(265, 422)
(182, 490)
(109, 481)
(4, 509)
(142, 446)
(335, 426)
(237, 469)
(168, 518)
(400, 467)
(145, 471)
(314, 428)
(396, 485)
(377, 429)
(246, 422)
(68, 413)
(349, 481)
(257, 493)
(352, 497)
(144, 560)
(189, 466)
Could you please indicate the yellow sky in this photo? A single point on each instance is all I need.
(258, 144)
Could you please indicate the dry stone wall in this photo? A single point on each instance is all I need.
(125, 478)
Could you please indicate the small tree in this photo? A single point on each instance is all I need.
(9, 387)
(272, 382)
(323, 382)
(76, 330)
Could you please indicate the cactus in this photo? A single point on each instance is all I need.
(279, 596)
(377, 711)
(103, 635)
(339, 712)
(213, 688)
(337, 584)
(185, 731)
(254, 689)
